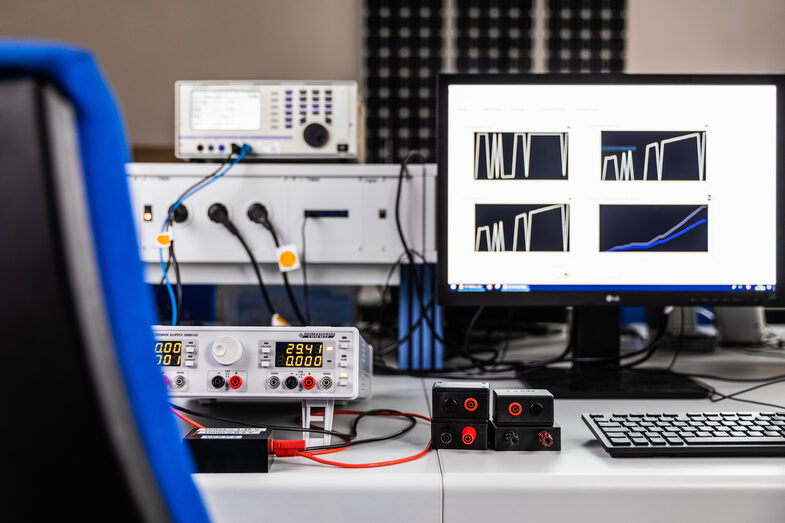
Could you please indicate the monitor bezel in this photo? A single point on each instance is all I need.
(449, 297)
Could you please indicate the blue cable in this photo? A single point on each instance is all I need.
(245, 150)
(243, 153)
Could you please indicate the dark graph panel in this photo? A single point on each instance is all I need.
(585, 36)
(680, 155)
(541, 227)
(403, 56)
(654, 228)
(493, 36)
(494, 158)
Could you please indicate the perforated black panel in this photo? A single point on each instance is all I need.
(403, 57)
(493, 36)
(585, 36)
(404, 45)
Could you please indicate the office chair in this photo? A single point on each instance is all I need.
(89, 432)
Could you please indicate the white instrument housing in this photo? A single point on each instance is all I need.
(278, 119)
(261, 363)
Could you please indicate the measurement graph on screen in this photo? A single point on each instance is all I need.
(520, 155)
(654, 228)
(653, 155)
(522, 227)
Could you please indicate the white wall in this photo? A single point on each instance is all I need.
(144, 46)
(706, 36)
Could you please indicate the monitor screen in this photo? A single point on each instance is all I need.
(584, 190)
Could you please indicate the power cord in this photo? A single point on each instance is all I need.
(218, 213)
(404, 173)
(292, 448)
(240, 152)
(304, 262)
(257, 213)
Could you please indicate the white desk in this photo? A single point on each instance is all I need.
(298, 489)
(580, 483)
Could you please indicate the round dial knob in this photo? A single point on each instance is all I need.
(316, 135)
(227, 350)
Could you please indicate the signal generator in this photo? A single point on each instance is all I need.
(279, 120)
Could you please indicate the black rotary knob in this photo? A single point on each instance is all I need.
(316, 135)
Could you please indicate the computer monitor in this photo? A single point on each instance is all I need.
(603, 191)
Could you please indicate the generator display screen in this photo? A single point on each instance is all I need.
(298, 354)
(169, 353)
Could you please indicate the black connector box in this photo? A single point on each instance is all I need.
(231, 449)
(522, 407)
(525, 437)
(459, 434)
(461, 400)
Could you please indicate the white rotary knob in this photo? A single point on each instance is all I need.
(227, 350)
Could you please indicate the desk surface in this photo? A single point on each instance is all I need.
(580, 483)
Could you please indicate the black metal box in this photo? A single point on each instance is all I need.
(231, 449)
(461, 400)
(459, 434)
(525, 437)
(522, 407)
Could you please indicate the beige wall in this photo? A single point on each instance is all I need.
(706, 36)
(145, 45)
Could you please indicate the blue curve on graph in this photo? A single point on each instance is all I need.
(659, 242)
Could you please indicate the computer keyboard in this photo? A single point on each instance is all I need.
(690, 434)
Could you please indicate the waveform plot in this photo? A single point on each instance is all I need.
(654, 228)
(522, 227)
(520, 156)
(653, 155)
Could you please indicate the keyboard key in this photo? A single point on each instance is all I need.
(620, 442)
(640, 442)
(675, 441)
(658, 442)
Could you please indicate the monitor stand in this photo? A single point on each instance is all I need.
(596, 371)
